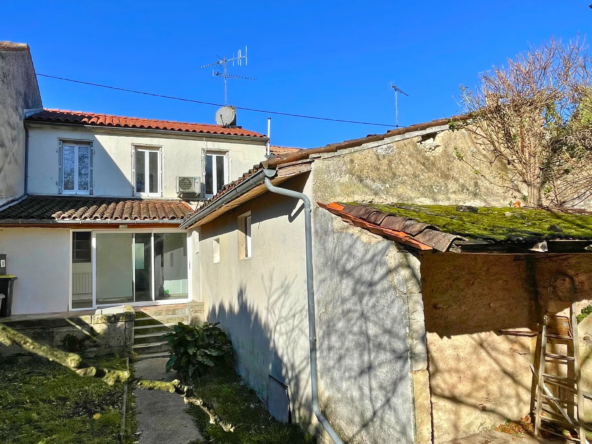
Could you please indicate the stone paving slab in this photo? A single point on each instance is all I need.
(161, 416)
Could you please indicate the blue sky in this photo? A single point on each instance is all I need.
(323, 58)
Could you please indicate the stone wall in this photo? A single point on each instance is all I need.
(373, 382)
(18, 93)
(419, 168)
(107, 331)
(479, 377)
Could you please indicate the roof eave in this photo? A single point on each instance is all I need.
(258, 140)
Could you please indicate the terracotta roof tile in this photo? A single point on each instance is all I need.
(404, 230)
(279, 150)
(94, 208)
(84, 118)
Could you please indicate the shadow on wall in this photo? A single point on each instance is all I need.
(479, 377)
(363, 286)
(271, 344)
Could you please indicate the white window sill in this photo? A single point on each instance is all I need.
(73, 193)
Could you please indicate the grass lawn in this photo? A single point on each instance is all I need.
(42, 402)
(239, 406)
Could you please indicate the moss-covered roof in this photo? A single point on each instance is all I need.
(500, 224)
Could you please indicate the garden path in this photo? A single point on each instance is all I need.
(161, 416)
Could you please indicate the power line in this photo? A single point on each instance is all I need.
(277, 113)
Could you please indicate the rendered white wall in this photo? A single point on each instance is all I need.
(40, 258)
(182, 156)
(261, 301)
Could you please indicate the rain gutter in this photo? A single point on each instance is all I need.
(86, 221)
(312, 335)
(245, 186)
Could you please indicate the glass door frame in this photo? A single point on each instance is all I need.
(154, 301)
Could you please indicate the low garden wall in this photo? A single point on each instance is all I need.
(107, 331)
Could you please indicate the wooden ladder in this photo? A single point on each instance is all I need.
(559, 398)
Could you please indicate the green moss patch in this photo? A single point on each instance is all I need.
(239, 407)
(512, 224)
(43, 402)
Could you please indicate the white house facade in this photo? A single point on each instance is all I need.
(98, 224)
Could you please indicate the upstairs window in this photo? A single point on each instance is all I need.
(216, 173)
(76, 168)
(148, 168)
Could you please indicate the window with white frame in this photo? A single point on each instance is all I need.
(76, 168)
(216, 173)
(244, 236)
(148, 171)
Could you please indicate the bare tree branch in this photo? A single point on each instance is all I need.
(535, 114)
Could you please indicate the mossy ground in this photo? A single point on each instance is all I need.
(495, 222)
(239, 406)
(42, 402)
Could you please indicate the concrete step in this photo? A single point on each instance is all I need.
(151, 355)
(161, 328)
(171, 319)
(151, 347)
(145, 338)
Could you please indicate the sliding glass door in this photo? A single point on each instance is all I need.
(114, 261)
(170, 265)
(128, 268)
(142, 267)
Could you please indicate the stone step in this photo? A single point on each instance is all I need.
(171, 319)
(160, 312)
(145, 338)
(151, 355)
(151, 347)
(161, 328)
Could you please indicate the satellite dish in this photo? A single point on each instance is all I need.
(226, 116)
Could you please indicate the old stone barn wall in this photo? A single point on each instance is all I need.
(478, 376)
(419, 167)
(373, 383)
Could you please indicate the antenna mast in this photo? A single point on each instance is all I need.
(397, 90)
(223, 62)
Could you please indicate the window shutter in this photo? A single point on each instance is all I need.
(60, 167)
(133, 181)
(203, 174)
(92, 176)
(161, 177)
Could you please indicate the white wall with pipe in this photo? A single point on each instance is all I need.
(113, 160)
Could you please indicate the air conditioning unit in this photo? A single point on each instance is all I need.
(188, 186)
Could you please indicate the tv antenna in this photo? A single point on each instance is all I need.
(397, 90)
(223, 62)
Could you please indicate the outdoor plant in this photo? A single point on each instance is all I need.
(586, 311)
(195, 350)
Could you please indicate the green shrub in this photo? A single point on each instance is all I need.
(585, 312)
(195, 350)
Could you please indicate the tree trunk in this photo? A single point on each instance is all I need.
(534, 194)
